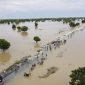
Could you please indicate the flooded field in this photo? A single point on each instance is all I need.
(66, 58)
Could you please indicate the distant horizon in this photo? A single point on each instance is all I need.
(41, 18)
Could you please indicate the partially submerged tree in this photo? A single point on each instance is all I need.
(36, 24)
(19, 28)
(83, 21)
(13, 26)
(8, 23)
(72, 24)
(37, 39)
(24, 28)
(78, 76)
(77, 24)
(4, 44)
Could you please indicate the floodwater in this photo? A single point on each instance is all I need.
(66, 58)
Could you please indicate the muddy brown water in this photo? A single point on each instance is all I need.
(66, 58)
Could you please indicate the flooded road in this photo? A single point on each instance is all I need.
(66, 58)
(22, 44)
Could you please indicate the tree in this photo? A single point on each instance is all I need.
(19, 28)
(36, 24)
(78, 76)
(37, 39)
(13, 26)
(77, 24)
(83, 21)
(24, 28)
(4, 44)
(72, 24)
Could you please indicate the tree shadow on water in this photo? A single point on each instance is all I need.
(37, 45)
(24, 34)
(4, 57)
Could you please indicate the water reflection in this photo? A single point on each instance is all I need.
(37, 45)
(24, 34)
(5, 57)
(18, 30)
(36, 27)
(14, 29)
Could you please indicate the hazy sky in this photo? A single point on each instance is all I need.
(41, 8)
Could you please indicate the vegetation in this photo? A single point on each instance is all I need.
(73, 24)
(77, 24)
(78, 76)
(37, 39)
(19, 28)
(83, 21)
(4, 44)
(24, 28)
(8, 23)
(17, 21)
(13, 26)
(36, 24)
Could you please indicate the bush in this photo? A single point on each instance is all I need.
(4, 44)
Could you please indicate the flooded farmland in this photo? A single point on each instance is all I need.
(66, 58)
